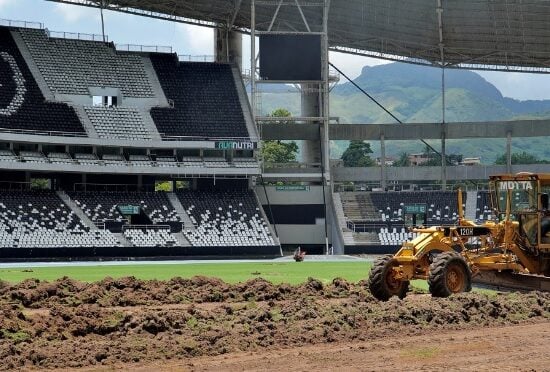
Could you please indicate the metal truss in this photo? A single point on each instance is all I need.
(494, 35)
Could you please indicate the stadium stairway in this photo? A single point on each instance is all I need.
(471, 205)
(269, 225)
(85, 120)
(245, 103)
(187, 223)
(161, 100)
(122, 239)
(80, 214)
(340, 216)
(35, 72)
(150, 125)
(354, 211)
(181, 240)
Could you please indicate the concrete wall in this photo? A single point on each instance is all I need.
(455, 173)
(299, 234)
(314, 195)
(125, 169)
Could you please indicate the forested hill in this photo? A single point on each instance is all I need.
(413, 94)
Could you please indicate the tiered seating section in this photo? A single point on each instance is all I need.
(60, 158)
(206, 101)
(72, 66)
(123, 123)
(8, 155)
(441, 205)
(123, 160)
(384, 213)
(395, 236)
(22, 105)
(225, 218)
(40, 219)
(484, 210)
(150, 238)
(33, 157)
(204, 97)
(101, 207)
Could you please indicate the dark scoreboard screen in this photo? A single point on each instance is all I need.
(290, 57)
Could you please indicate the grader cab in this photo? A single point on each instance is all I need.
(449, 256)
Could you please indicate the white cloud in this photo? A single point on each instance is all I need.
(522, 86)
(6, 3)
(74, 13)
(197, 40)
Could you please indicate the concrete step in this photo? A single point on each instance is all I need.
(150, 125)
(178, 207)
(35, 72)
(181, 239)
(271, 229)
(471, 205)
(161, 100)
(122, 239)
(245, 103)
(76, 209)
(85, 120)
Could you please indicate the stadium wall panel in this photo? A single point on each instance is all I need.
(16, 254)
(371, 249)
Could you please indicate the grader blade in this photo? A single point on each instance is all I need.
(512, 281)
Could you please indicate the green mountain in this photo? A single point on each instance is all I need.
(413, 94)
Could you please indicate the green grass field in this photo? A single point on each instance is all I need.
(231, 272)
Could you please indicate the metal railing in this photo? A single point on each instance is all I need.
(93, 187)
(366, 226)
(100, 225)
(196, 58)
(15, 186)
(166, 137)
(50, 133)
(294, 165)
(377, 187)
(22, 24)
(146, 227)
(75, 35)
(144, 48)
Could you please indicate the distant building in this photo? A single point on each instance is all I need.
(418, 159)
(470, 161)
(389, 161)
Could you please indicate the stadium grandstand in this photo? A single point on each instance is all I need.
(108, 152)
(88, 131)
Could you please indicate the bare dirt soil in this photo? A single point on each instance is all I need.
(205, 324)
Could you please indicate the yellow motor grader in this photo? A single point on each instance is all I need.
(449, 256)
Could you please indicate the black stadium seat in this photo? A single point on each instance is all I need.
(101, 207)
(225, 218)
(206, 102)
(40, 219)
(22, 105)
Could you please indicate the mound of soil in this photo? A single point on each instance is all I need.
(68, 324)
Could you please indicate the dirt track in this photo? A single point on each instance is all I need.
(202, 323)
(508, 348)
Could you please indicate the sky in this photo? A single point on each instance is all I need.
(193, 40)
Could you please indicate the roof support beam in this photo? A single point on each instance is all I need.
(235, 13)
(413, 131)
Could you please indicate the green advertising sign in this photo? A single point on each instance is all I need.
(128, 209)
(235, 145)
(415, 209)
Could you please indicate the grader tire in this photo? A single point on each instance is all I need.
(449, 274)
(381, 283)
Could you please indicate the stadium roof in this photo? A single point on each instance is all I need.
(479, 34)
